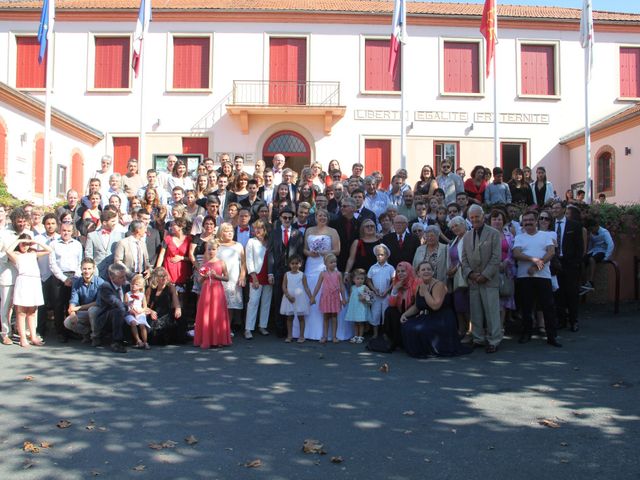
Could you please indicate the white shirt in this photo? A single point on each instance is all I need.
(381, 276)
(66, 257)
(533, 246)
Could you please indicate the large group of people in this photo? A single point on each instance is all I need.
(437, 269)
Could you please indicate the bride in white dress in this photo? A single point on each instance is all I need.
(318, 241)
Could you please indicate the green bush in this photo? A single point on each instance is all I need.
(6, 198)
(617, 218)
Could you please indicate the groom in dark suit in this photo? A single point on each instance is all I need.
(111, 307)
(284, 242)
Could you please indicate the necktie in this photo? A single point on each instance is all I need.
(559, 233)
(120, 294)
(285, 239)
(400, 241)
(141, 245)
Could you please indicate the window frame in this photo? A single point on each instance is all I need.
(91, 63)
(556, 66)
(455, 163)
(13, 60)
(481, 66)
(170, 59)
(612, 171)
(620, 97)
(363, 67)
(61, 180)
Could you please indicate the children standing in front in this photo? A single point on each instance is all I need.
(296, 297)
(358, 310)
(137, 316)
(213, 327)
(27, 292)
(333, 297)
(379, 279)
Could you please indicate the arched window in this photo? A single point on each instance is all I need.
(605, 171)
(292, 145)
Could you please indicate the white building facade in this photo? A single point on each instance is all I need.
(310, 79)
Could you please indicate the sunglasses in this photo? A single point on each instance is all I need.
(545, 218)
(286, 217)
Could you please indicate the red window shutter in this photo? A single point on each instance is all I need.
(196, 145)
(124, 148)
(537, 70)
(77, 172)
(191, 62)
(287, 71)
(39, 166)
(377, 156)
(630, 72)
(29, 73)
(461, 70)
(111, 62)
(376, 67)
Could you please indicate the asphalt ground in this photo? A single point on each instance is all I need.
(528, 412)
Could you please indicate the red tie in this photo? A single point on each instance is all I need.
(400, 241)
(285, 239)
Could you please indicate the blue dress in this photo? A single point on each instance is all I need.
(357, 310)
(432, 332)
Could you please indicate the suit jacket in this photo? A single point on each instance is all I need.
(108, 299)
(404, 253)
(279, 254)
(125, 253)
(102, 253)
(347, 236)
(253, 207)
(154, 242)
(365, 213)
(485, 257)
(572, 244)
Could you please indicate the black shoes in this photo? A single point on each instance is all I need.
(524, 338)
(118, 348)
(553, 342)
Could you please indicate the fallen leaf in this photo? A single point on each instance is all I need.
(102, 429)
(409, 413)
(491, 447)
(30, 447)
(321, 356)
(28, 378)
(578, 414)
(95, 473)
(453, 430)
(139, 468)
(63, 424)
(254, 463)
(155, 446)
(169, 444)
(620, 384)
(546, 422)
(564, 444)
(337, 459)
(313, 446)
(384, 368)
(46, 445)
(428, 460)
(191, 440)
(564, 460)
(27, 464)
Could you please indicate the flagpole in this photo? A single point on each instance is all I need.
(141, 138)
(587, 124)
(48, 164)
(496, 142)
(403, 128)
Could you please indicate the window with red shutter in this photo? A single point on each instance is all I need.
(38, 166)
(630, 72)
(124, 148)
(196, 145)
(376, 67)
(461, 67)
(191, 62)
(111, 62)
(377, 156)
(538, 70)
(29, 73)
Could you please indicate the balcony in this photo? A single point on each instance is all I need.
(264, 97)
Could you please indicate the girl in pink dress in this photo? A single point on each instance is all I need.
(212, 317)
(332, 298)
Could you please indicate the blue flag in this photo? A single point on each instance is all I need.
(43, 29)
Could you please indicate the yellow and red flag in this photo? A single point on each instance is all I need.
(489, 30)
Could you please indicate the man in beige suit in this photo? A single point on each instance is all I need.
(132, 251)
(481, 253)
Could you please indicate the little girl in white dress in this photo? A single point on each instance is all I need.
(137, 316)
(296, 297)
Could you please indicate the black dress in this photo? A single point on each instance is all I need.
(166, 329)
(365, 258)
(432, 332)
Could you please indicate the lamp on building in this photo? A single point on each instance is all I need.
(23, 138)
(627, 151)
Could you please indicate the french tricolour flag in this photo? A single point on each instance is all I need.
(398, 34)
(142, 27)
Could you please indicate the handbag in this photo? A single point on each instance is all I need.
(161, 323)
(458, 280)
(381, 344)
(506, 286)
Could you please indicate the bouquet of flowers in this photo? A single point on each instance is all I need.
(317, 245)
(366, 296)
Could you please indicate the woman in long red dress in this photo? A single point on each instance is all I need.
(212, 317)
(174, 255)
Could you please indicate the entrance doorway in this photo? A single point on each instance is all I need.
(514, 155)
(292, 145)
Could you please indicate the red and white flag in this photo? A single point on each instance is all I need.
(398, 35)
(489, 30)
(142, 27)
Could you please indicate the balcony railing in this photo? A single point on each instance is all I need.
(276, 93)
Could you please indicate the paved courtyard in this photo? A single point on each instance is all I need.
(244, 412)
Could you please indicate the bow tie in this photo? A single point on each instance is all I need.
(244, 229)
(302, 225)
(106, 232)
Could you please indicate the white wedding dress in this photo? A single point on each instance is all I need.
(312, 269)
